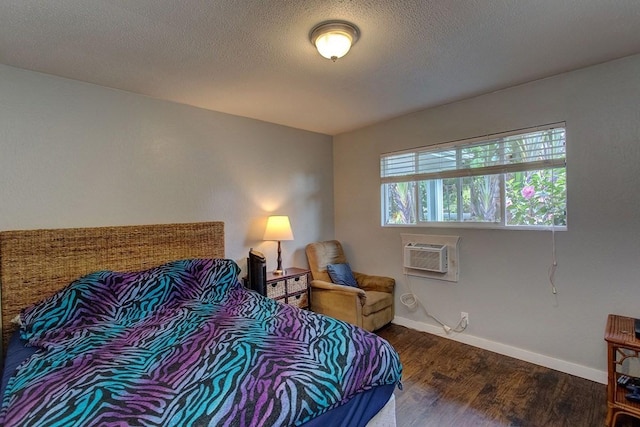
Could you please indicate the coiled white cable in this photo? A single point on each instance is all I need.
(411, 301)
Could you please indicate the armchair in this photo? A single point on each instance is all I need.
(370, 305)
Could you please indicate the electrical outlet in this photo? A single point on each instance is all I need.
(464, 317)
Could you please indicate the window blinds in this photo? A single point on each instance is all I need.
(529, 149)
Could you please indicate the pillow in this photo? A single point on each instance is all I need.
(125, 297)
(341, 274)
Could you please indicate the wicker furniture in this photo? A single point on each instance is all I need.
(621, 344)
(370, 305)
(291, 287)
(34, 264)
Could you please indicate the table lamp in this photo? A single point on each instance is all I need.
(278, 228)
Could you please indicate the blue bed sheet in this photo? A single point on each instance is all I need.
(17, 352)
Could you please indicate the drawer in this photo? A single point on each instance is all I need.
(300, 300)
(276, 290)
(297, 284)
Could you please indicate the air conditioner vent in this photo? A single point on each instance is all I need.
(423, 256)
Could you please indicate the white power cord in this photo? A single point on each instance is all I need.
(411, 301)
(554, 262)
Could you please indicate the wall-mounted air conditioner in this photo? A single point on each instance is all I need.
(423, 256)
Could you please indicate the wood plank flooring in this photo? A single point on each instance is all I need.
(446, 383)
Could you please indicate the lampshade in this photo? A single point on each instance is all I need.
(333, 39)
(278, 228)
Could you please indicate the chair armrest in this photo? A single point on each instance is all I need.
(328, 286)
(375, 283)
(340, 302)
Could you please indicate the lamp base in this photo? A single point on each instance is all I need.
(279, 270)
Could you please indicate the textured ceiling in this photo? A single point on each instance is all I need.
(253, 58)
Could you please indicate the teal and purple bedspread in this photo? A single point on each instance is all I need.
(185, 344)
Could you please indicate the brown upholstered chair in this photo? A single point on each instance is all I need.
(370, 305)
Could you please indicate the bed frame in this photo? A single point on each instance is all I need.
(34, 264)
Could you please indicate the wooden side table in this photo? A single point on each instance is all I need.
(291, 287)
(621, 344)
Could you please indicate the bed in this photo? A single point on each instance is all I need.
(149, 325)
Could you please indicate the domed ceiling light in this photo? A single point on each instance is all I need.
(333, 39)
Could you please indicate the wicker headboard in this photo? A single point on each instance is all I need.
(34, 264)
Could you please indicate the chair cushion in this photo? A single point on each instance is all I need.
(341, 274)
(320, 254)
(376, 301)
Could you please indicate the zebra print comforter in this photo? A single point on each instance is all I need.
(184, 344)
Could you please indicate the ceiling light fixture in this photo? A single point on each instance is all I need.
(333, 39)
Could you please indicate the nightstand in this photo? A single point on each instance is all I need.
(291, 287)
(621, 344)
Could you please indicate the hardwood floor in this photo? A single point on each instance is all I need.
(446, 383)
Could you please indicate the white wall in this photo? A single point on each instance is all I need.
(504, 274)
(75, 154)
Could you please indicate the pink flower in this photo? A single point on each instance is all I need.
(528, 192)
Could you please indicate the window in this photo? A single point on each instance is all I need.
(514, 179)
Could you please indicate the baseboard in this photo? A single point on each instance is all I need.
(507, 350)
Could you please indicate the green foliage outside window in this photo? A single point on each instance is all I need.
(401, 203)
(537, 198)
